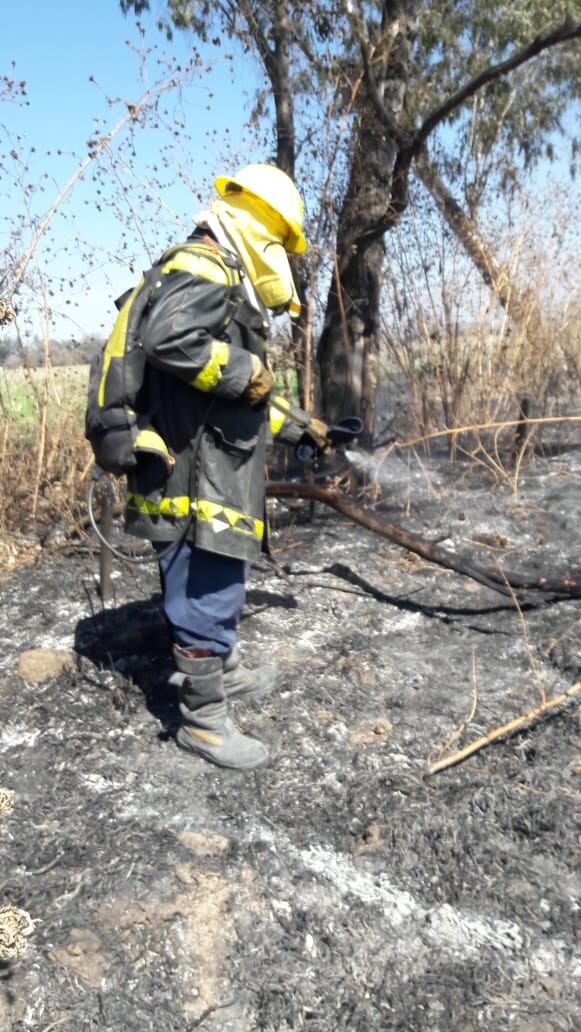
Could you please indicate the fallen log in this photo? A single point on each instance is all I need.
(494, 577)
(544, 708)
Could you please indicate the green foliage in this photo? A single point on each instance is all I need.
(509, 124)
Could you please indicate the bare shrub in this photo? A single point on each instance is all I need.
(457, 354)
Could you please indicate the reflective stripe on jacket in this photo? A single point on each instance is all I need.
(198, 334)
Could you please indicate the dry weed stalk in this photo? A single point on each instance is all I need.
(43, 461)
(505, 730)
(130, 118)
(445, 759)
(474, 427)
(510, 477)
(6, 801)
(468, 719)
(526, 639)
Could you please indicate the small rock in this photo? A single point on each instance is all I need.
(204, 843)
(380, 730)
(82, 955)
(370, 841)
(6, 800)
(184, 874)
(15, 926)
(38, 665)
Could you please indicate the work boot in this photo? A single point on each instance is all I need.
(240, 681)
(207, 729)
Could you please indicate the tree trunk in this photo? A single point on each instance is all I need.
(277, 63)
(351, 329)
(348, 351)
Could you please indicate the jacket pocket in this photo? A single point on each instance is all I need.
(231, 467)
(236, 429)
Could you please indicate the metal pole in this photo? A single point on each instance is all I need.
(105, 557)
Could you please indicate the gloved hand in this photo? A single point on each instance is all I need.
(260, 383)
(316, 433)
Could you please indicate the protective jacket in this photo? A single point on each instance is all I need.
(198, 333)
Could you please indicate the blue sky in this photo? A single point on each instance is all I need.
(55, 51)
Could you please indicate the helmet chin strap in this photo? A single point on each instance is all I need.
(281, 309)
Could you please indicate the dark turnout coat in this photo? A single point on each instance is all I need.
(198, 334)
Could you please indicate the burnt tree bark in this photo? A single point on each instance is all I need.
(348, 351)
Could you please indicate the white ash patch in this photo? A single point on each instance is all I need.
(14, 735)
(404, 621)
(60, 643)
(417, 926)
(98, 784)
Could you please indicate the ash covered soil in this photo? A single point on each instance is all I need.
(339, 888)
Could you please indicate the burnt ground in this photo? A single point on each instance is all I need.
(339, 888)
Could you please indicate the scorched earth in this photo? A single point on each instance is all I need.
(339, 888)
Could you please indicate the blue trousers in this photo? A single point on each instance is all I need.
(203, 595)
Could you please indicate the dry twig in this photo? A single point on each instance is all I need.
(505, 730)
(468, 720)
(98, 146)
(471, 427)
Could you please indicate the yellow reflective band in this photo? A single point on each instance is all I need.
(115, 346)
(211, 374)
(180, 507)
(276, 418)
(208, 511)
(205, 736)
(148, 439)
(211, 269)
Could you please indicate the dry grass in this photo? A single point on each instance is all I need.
(44, 459)
(463, 358)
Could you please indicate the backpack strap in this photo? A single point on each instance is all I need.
(203, 252)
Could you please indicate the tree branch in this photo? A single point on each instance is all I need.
(494, 577)
(401, 136)
(411, 143)
(97, 147)
(259, 36)
(546, 707)
(569, 30)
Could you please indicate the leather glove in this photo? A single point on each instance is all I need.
(316, 432)
(260, 383)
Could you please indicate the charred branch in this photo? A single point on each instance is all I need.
(494, 577)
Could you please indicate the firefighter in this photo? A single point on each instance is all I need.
(208, 383)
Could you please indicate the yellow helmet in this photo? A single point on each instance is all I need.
(273, 187)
